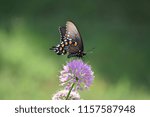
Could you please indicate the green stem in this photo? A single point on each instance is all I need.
(70, 91)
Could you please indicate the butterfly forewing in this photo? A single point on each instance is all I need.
(73, 33)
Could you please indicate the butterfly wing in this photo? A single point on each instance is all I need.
(73, 34)
(62, 31)
(59, 48)
(70, 41)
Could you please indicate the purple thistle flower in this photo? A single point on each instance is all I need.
(61, 95)
(76, 72)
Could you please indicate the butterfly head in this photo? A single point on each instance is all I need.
(81, 53)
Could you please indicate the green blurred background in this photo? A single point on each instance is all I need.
(118, 30)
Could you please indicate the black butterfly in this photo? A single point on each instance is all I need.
(70, 42)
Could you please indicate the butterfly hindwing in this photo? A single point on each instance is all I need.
(62, 31)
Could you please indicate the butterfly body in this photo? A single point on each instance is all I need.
(70, 42)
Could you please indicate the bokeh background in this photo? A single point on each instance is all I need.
(118, 30)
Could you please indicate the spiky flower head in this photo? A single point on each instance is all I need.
(61, 95)
(78, 72)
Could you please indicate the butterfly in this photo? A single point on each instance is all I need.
(70, 41)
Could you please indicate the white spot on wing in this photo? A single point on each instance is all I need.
(58, 45)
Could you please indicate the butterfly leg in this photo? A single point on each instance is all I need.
(72, 55)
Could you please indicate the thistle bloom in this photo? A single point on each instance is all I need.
(61, 95)
(78, 73)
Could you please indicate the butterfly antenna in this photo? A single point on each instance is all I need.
(91, 50)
